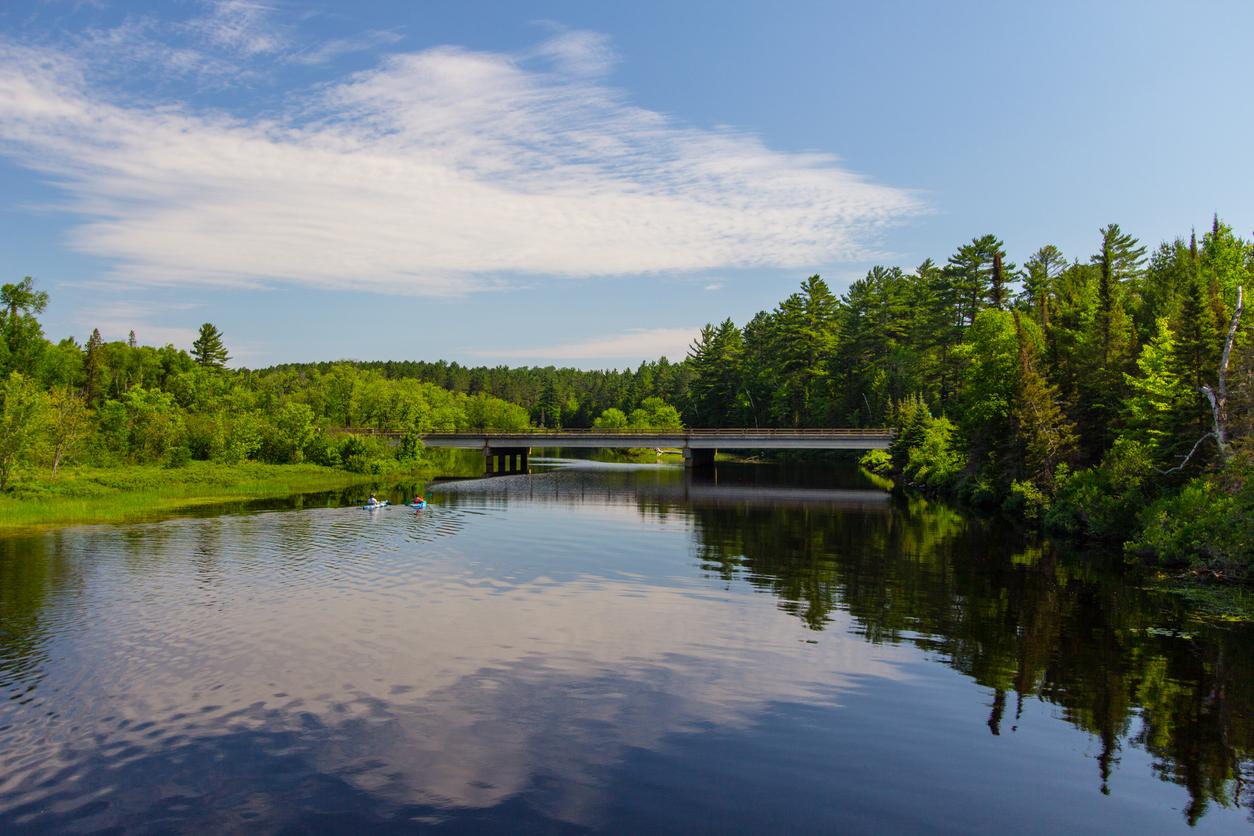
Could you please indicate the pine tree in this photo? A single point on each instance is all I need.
(1195, 357)
(1110, 340)
(968, 277)
(1045, 265)
(1151, 412)
(94, 368)
(716, 384)
(1119, 262)
(208, 350)
(1043, 435)
(997, 284)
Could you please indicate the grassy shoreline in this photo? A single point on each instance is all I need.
(88, 496)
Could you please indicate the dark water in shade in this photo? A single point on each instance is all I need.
(608, 649)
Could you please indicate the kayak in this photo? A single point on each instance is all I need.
(375, 507)
(422, 503)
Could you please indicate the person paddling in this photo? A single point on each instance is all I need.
(372, 500)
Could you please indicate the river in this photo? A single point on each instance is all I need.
(610, 648)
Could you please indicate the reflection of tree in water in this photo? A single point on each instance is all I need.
(1019, 618)
(31, 569)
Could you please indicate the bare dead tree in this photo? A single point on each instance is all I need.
(1219, 400)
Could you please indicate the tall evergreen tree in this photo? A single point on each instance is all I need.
(208, 349)
(94, 370)
(1195, 355)
(1110, 342)
(1045, 265)
(997, 283)
(716, 384)
(1043, 437)
(1119, 261)
(805, 338)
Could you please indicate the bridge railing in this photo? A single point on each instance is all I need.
(739, 432)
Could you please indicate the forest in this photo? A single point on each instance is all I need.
(1106, 395)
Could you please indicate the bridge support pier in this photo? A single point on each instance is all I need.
(505, 461)
(698, 457)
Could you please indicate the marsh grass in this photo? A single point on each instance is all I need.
(127, 494)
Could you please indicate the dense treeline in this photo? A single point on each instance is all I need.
(553, 397)
(1075, 390)
(108, 404)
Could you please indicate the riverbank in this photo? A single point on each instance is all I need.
(85, 496)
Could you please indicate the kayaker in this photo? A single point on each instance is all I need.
(372, 500)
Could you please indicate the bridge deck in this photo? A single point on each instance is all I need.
(724, 439)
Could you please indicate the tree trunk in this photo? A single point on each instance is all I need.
(1219, 400)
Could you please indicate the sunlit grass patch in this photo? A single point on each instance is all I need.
(107, 495)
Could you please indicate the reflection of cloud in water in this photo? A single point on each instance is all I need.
(448, 658)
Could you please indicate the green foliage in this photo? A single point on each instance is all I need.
(1106, 501)
(1208, 523)
(611, 419)
(655, 414)
(362, 454)
(717, 393)
(208, 350)
(876, 461)
(485, 412)
(935, 462)
(69, 423)
(23, 416)
(1026, 500)
(291, 434)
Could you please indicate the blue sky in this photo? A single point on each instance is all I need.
(580, 183)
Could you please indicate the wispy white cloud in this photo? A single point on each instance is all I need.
(241, 26)
(636, 344)
(440, 172)
(714, 286)
(325, 51)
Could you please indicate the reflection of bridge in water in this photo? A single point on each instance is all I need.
(695, 488)
(507, 451)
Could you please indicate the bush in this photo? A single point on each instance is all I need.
(1026, 500)
(1207, 524)
(877, 461)
(1106, 501)
(364, 454)
(934, 461)
(611, 419)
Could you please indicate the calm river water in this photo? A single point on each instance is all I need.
(610, 649)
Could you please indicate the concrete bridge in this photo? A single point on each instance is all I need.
(506, 451)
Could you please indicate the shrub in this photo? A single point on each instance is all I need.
(611, 419)
(877, 461)
(1207, 524)
(934, 461)
(1105, 501)
(1027, 500)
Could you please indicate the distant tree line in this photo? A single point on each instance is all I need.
(553, 397)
